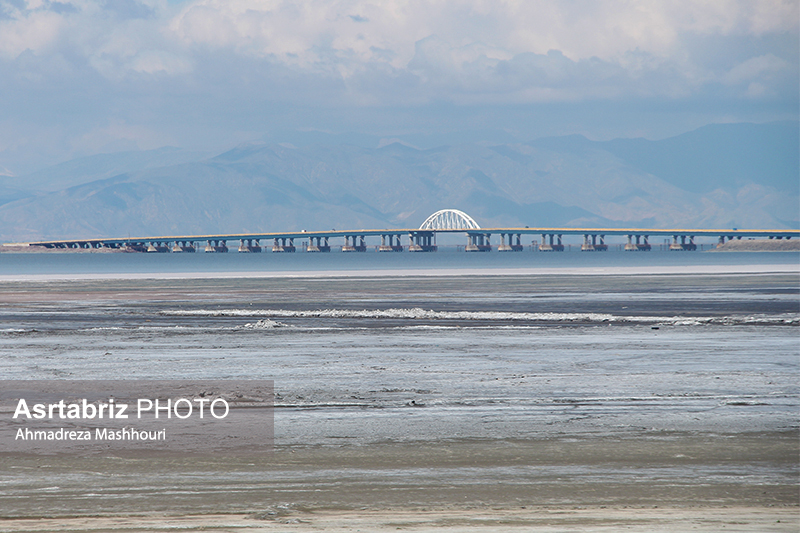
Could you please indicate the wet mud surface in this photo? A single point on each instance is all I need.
(439, 393)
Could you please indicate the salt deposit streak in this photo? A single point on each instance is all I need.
(417, 313)
(264, 324)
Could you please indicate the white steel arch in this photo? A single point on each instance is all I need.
(449, 219)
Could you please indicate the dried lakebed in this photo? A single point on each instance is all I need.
(439, 393)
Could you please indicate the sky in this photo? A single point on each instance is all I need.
(80, 77)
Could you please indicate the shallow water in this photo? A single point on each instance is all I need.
(55, 263)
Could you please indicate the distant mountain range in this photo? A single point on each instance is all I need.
(718, 176)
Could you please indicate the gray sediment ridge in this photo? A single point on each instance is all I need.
(759, 245)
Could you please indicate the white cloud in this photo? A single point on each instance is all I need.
(34, 31)
(756, 67)
(347, 37)
(580, 29)
(756, 90)
(158, 62)
(465, 50)
(76, 66)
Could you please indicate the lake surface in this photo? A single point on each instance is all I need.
(66, 263)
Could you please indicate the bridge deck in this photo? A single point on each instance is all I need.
(679, 232)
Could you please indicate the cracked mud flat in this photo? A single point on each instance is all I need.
(493, 403)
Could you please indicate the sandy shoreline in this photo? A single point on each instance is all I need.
(423, 272)
(637, 467)
(594, 519)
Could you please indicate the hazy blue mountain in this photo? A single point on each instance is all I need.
(737, 175)
(86, 169)
(720, 156)
(712, 157)
(10, 194)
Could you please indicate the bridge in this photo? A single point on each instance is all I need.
(422, 239)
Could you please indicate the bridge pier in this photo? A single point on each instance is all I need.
(348, 247)
(318, 244)
(321, 245)
(683, 245)
(642, 245)
(556, 246)
(479, 242)
(216, 247)
(250, 247)
(354, 243)
(391, 247)
(183, 246)
(159, 247)
(421, 241)
(279, 245)
(503, 247)
(593, 245)
(510, 247)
